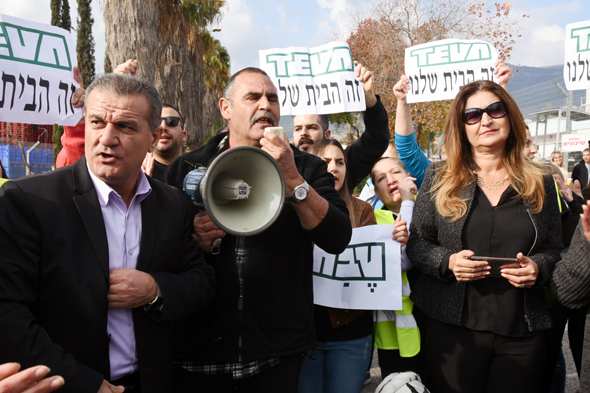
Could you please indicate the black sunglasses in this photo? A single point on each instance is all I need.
(496, 110)
(171, 121)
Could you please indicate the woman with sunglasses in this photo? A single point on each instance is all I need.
(485, 334)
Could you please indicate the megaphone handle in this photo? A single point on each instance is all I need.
(215, 246)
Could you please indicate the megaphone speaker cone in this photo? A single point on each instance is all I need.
(243, 191)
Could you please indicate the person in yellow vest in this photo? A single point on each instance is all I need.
(397, 336)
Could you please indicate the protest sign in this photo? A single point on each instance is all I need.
(36, 62)
(576, 70)
(366, 276)
(573, 142)
(316, 80)
(438, 70)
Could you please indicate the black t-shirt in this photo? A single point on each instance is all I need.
(493, 304)
(159, 169)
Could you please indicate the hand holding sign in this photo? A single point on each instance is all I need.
(503, 73)
(368, 79)
(401, 88)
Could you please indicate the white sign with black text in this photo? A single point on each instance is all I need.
(576, 68)
(438, 70)
(36, 68)
(316, 80)
(366, 276)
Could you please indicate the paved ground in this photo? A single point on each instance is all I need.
(572, 382)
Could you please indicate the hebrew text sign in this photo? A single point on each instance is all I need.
(316, 80)
(366, 276)
(576, 68)
(573, 142)
(438, 70)
(36, 72)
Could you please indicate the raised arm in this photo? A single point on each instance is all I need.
(408, 150)
(367, 150)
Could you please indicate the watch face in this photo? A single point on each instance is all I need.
(300, 193)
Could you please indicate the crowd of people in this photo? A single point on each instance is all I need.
(112, 280)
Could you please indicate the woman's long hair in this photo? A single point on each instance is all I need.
(456, 173)
(319, 149)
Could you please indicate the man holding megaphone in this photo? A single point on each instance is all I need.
(261, 319)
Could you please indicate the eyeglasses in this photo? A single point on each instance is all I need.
(496, 110)
(171, 121)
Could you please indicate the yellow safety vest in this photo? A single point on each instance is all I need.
(396, 329)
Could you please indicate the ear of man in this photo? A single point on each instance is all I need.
(156, 134)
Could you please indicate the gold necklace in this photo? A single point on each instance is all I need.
(492, 185)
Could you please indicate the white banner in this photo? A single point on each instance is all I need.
(366, 276)
(573, 142)
(438, 70)
(316, 80)
(36, 63)
(576, 69)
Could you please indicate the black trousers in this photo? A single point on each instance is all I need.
(575, 320)
(465, 360)
(284, 377)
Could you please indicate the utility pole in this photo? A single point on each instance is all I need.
(568, 120)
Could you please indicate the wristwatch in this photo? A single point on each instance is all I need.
(156, 303)
(299, 193)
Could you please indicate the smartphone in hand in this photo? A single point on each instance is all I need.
(497, 264)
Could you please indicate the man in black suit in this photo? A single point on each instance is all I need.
(580, 171)
(95, 258)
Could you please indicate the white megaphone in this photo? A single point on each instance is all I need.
(243, 190)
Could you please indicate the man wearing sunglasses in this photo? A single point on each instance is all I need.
(170, 145)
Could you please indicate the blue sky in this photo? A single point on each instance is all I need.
(249, 26)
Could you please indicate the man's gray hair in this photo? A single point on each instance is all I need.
(129, 85)
(229, 87)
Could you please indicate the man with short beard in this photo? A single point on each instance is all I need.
(362, 154)
(581, 169)
(170, 145)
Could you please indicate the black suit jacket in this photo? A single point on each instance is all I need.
(580, 173)
(54, 278)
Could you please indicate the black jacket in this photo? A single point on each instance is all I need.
(571, 286)
(433, 237)
(54, 274)
(277, 314)
(362, 155)
(580, 173)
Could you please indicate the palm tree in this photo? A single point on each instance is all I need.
(166, 37)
